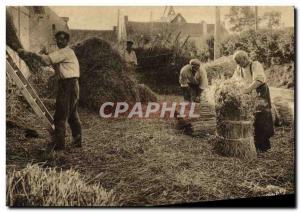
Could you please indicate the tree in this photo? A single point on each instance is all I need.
(273, 19)
(241, 18)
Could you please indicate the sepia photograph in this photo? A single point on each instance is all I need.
(143, 106)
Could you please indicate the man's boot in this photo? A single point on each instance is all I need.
(57, 141)
(52, 145)
(77, 141)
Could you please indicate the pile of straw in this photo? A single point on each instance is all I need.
(234, 111)
(146, 94)
(103, 76)
(35, 186)
(221, 68)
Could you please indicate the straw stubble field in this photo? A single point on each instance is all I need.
(148, 162)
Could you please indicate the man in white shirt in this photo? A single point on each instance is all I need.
(130, 57)
(66, 66)
(193, 80)
(252, 73)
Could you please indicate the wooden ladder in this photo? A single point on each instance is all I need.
(28, 91)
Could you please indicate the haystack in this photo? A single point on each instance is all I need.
(222, 67)
(235, 116)
(146, 94)
(103, 76)
(283, 101)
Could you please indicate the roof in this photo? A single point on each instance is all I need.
(192, 29)
(178, 19)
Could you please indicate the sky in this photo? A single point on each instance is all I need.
(105, 17)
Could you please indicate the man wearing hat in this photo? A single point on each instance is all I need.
(130, 57)
(66, 66)
(193, 80)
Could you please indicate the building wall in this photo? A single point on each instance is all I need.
(43, 27)
(198, 32)
(20, 17)
(35, 27)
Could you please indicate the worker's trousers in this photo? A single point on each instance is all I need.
(66, 111)
(191, 92)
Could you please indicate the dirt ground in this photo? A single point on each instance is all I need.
(148, 162)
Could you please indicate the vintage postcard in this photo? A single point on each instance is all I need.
(126, 106)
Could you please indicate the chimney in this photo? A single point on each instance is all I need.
(65, 19)
(125, 19)
(204, 27)
(115, 33)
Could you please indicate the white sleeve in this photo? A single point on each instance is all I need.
(57, 56)
(182, 79)
(134, 58)
(46, 59)
(258, 72)
(236, 73)
(202, 78)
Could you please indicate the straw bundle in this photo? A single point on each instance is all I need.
(222, 67)
(201, 126)
(234, 111)
(285, 111)
(146, 94)
(283, 102)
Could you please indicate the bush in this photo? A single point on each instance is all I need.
(159, 68)
(281, 76)
(34, 186)
(266, 46)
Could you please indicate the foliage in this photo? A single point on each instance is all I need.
(265, 46)
(241, 18)
(34, 186)
(159, 68)
(273, 19)
(281, 76)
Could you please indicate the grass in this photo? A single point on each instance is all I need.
(148, 162)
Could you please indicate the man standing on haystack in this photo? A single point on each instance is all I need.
(193, 80)
(66, 66)
(130, 57)
(252, 73)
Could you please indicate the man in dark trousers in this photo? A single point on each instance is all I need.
(66, 66)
